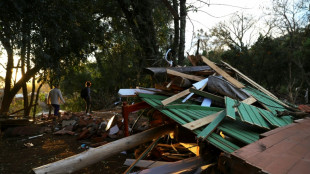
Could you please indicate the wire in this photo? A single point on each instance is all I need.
(224, 5)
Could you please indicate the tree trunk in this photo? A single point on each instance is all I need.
(91, 156)
(28, 109)
(8, 77)
(176, 33)
(10, 93)
(36, 101)
(182, 31)
(24, 86)
(140, 20)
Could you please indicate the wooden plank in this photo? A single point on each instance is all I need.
(249, 100)
(201, 122)
(145, 163)
(222, 73)
(210, 128)
(187, 76)
(146, 151)
(175, 167)
(175, 97)
(207, 95)
(192, 147)
(262, 89)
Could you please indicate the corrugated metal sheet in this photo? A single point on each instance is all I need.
(273, 120)
(250, 114)
(270, 103)
(222, 143)
(244, 126)
(239, 132)
(230, 107)
(210, 128)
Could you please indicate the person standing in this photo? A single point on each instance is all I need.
(87, 97)
(53, 98)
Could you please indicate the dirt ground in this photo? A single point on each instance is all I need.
(15, 157)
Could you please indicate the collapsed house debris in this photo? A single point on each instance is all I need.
(220, 116)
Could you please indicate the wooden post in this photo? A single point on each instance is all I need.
(91, 156)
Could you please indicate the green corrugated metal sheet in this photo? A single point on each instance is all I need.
(248, 113)
(234, 128)
(178, 111)
(230, 107)
(270, 103)
(238, 132)
(273, 120)
(210, 128)
(221, 143)
(251, 115)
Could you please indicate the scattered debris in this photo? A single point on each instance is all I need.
(28, 145)
(210, 115)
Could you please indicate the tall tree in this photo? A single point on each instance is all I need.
(291, 17)
(183, 14)
(138, 14)
(60, 36)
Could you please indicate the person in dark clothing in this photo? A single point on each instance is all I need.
(88, 98)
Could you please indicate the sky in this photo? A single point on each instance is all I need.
(205, 18)
(208, 16)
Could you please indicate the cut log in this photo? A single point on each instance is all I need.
(91, 156)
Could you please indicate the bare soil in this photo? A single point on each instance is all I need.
(15, 157)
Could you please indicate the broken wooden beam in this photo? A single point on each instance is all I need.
(222, 73)
(146, 151)
(249, 100)
(145, 163)
(175, 97)
(157, 71)
(187, 76)
(262, 89)
(91, 156)
(175, 167)
(207, 95)
(201, 122)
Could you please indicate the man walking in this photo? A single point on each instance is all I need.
(53, 98)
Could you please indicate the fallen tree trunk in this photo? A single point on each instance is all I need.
(91, 156)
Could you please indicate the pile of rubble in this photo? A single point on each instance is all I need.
(203, 109)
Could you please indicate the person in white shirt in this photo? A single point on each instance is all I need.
(53, 98)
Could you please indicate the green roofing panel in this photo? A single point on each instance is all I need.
(221, 143)
(250, 114)
(178, 111)
(230, 107)
(238, 132)
(265, 99)
(272, 119)
(210, 128)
